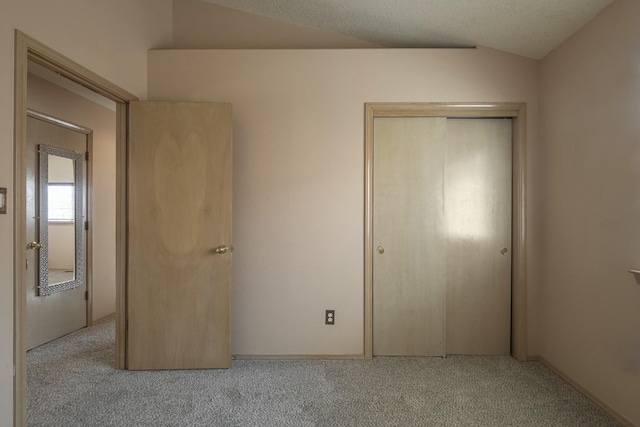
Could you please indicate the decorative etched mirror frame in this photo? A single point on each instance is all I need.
(43, 225)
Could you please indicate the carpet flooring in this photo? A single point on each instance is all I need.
(73, 382)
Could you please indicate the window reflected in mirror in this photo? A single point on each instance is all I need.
(61, 202)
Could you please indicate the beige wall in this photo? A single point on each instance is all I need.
(590, 94)
(48, 98)
(299, 172)
(299, 167)
(201, 25)
(110, 38)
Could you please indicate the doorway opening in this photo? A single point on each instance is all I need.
(28, 49)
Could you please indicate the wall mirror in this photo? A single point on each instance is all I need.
(60, 220)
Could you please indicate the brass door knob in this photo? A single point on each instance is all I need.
(223, 249)
(34, 245)
(504, 251)
(380, 249)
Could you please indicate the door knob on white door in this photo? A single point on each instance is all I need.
(504, 251)
(380, 249)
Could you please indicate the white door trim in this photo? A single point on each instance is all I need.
(517, 111)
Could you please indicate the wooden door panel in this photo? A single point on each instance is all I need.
(408, 222)
(179, 288)
(478, 227)
(442, 214)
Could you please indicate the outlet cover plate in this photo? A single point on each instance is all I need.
(330, 317)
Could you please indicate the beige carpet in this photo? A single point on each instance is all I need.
(72, 382)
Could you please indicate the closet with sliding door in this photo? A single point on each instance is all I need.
(441, 236)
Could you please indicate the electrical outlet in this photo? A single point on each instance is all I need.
(330, 317)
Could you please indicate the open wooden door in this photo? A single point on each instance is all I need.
(179, 235)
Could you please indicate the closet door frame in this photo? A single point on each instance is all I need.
(517, 112)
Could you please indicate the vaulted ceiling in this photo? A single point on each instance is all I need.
(530, 28)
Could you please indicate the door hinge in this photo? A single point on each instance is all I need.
(86, 156)
(86, 295)
(86, 225)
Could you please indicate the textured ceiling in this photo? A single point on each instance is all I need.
(530, 28)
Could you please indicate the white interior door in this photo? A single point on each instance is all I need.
(179, 235)
(52, 316)
(441, 236)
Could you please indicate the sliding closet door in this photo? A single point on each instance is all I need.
(478, 235)
(409, 237)
(442, 236)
